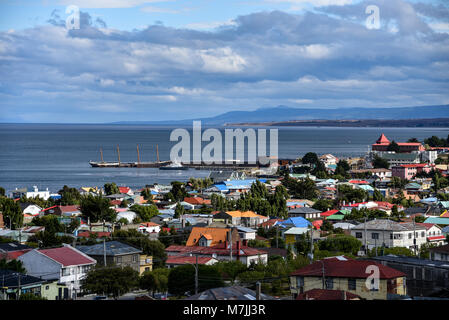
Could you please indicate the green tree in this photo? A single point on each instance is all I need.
(69, 196)
(414, 140)
(230, 269)
(310, 158)
(50, 222)
(97, 208)
(111, 188)
(377, 196)
(342, 168)
(393, 146)
(11, 210)
(155, 280)
(146, 194)
(145, 213)
(323, 205)
(182, 279)
(2, 192)
(379, 162)
(112, 280)
(179, 211)
(13, 265)
(342, 243)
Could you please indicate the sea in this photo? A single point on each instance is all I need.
(53, 155)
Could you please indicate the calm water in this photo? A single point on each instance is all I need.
(50, 156)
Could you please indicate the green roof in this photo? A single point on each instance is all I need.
(437, 220)
(336, 216)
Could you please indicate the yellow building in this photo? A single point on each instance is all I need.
(368, 279)
(146, 263)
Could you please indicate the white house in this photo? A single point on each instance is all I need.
(149, 227)
(434, 234)
(383, 232)
(65, 264)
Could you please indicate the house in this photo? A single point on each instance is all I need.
(341, 273)
(66, 264)
(242, 218)
(62, 211)
(126, 190)
(305, 212)
(386, 233)
(229, 293)
(423, 277)
(222, 252)
(12, 281)
(380, 173)
(437, 220)
(29, 210)
(409, 171)
(146, 263)
(19, 193)
(175, 261)
(293, 234)
(117, 253)
(297, 222)
(165, 216)
(382, 145)
(324, 294)
(434, 234)
(197, 202)
(123, 213)
(246, 234)
(440, 253)
(149, 227)
(209, 237)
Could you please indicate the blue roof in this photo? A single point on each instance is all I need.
(154, 192)
(298, 222)
(221, 187)
(56, 196)
(433, 199)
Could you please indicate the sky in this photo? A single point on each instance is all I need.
(149, 60)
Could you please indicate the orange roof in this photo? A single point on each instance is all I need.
(196, 200)
(214, 234)
(244, 214)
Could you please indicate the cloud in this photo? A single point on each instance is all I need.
(326, 58)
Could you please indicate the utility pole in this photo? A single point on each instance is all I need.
(104, 251)
(322, 270)
(258, 289)
(230, 243)
(414, 236)
(18, 296)
(311, 244)
(366, 237)
(277, 236)
(196, 273)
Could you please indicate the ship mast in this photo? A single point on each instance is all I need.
(138, 156)
(101, 154)
(157, 152)
(118, 152)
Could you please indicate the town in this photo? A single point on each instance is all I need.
(375, 227)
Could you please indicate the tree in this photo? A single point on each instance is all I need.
(182, 279)
(155, 280)
(254, 243)
(50, 222)
(31, 296)
(348, 194)
(145, 213)
(414, 140)
(379, 162)
(69, 196)
(393, 146)
(111, 188)
(342, 168)
(230, 269)
(96, 208)
(146, 194)
(310, 157)
(179, 211)
(177, 192)
(11, 210)
(342, 243)
(2, 192)
(113, 280)
(13, 265)
(323, 205)
(377, 195)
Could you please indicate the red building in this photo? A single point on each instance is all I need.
(404, 147)
(408, 171)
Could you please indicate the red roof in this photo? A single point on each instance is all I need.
(220, 250)
(196, 200)
(445, 215)
(358, 181)
(346, 268)
(124, 189)
(115, 202)
(329, 213)
(69, 208)
(12, 255)
(67, 256)
(187, 260)
(426, 225)
(383, 140)
(317, 223)
(323, 294)
(436, 238)
(414, 165)
(100, 234)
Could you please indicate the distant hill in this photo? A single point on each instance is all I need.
(284, 113)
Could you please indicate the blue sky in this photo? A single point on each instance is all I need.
(177, 59)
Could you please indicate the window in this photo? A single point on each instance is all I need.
(374, 236)
(47, 287)
(351, 284)
(410, 235)
(65, 272)
(118, 260)
(135, 258)
(329, 283)
(423, 234)
(358, 235)
(300, 282)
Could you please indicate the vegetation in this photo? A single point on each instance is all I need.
(69, 196)
(379, 162)
(111, 188)
(145, 213)
(13, 265)
(155, 280)
(182, 279)
(12, 212)
(97, 208)
(112, 280)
